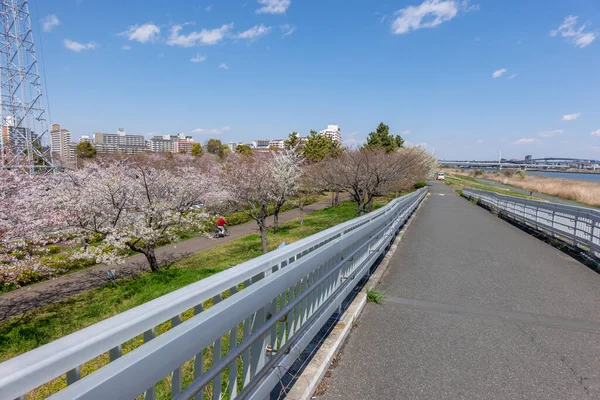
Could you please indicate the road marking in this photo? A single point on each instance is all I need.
(441, 194)
(530, 318)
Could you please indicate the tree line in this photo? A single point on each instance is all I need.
(112, 206)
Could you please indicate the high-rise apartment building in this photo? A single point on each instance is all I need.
(60, 140)
(333, 132)
(119, 142)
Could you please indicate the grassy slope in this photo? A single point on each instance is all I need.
(21, 334)
(460, 182)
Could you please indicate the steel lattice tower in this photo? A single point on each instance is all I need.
(24, 140)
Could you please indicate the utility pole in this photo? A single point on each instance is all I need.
(24, 140)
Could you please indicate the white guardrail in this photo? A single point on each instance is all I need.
(578, 225)
(232, 335)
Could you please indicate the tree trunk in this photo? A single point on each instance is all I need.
(337, 199)
(301, 208)
(263, 229)
(361, 207)
(276, 217)
(151, 257)
(370, 205)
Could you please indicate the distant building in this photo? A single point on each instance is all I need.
(260, 145)
(183, 146)
(166, 142)
(119, 142)
(16, 138)
(528, 158)
(60, 140)
(278, 143)
(333, 132)
(84, 139)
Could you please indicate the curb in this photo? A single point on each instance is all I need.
(308, 382)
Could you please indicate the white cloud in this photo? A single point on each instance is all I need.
(288, 29)
(405, 132)
(223, 66)
(422, 145)
(213, 131)
(78, 47)
(527, 141)
(554, 133)
(204, 37)
(49, 22)
(575, 34)
(254, 33)
(513, 76)
(208, 8)
(198, 58)
(126, 47)
(499, 73)
(273, 6)
(571, 117)
(479, 141)
(596, 133)
(145, 33)
(429, 14)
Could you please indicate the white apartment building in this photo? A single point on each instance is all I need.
(277, 143)
(333, 132)
(119, 142)
(60, 140)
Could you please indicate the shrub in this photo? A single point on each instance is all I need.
(420, 185)
(478, 172)
(521, 174)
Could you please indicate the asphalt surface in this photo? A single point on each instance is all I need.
(44, 293)
(475, 309)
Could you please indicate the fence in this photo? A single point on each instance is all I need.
(232, 335)
(579, 226)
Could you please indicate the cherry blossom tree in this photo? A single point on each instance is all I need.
(134, 205)
(251, 187)
(367, 173)
(286, 175)
(29, 221)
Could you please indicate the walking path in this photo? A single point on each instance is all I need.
(48, 292)
(475, 309)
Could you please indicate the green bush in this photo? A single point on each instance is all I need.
(53, 249)
(420, 185)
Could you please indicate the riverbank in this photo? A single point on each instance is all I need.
(583, 192)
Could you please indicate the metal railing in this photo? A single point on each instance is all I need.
(232, 335)
(579, 226)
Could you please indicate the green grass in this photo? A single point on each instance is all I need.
(375, 296)
(24, 333)
(460, 182)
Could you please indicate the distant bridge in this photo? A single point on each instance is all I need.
(540, 163)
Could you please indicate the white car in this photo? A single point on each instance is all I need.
(440, 176)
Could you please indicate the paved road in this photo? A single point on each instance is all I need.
(475, 309)
(48, 292)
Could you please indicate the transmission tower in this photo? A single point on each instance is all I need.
(24, 139)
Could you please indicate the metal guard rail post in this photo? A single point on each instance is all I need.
(278, 302)
(578, 225)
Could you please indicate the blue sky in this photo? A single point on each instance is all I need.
(245, 69)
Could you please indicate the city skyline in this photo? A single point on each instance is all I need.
(466, 79)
